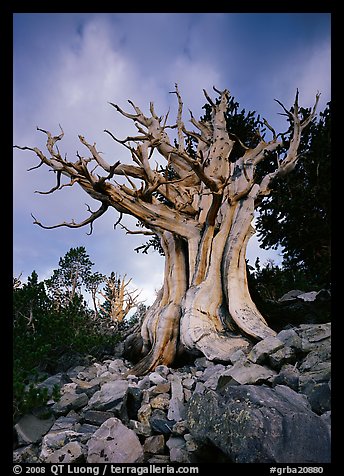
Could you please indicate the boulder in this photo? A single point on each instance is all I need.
(258, 424)
(113, 442)
(72, 452)
(69, 401)
(56, 440)
(111, 397)
(264, 348)
(96, 417)
(31, 429)
(246, 373)
(57, 381)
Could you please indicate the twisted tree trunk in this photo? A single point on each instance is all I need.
(203, 217)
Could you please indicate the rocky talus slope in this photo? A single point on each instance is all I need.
(271, 404)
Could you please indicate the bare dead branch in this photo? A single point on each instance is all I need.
(72, 224)
(57, 186)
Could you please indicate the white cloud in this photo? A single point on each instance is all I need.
(101, 58)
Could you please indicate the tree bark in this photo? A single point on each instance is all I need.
(203, 217)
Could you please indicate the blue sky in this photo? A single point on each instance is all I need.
(67, 67)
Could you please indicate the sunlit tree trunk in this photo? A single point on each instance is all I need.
(202, 216)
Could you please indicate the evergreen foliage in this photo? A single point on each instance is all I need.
(44, 333)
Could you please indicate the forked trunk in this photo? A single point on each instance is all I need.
(205, 306)
(202, 215)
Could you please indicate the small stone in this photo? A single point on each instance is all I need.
(290, 338)
(189, 383)
(162, 370)
(156, 378)
(179, 428)
(144, 413)
(160, 388)
(187, 394)
(154, 444)
(190, 443)
(161, 401)
(159, 459)
(141, 429)
(160, 423)
(178, 451)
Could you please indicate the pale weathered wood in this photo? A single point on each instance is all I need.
(204, 224)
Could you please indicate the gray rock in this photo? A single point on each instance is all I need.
(155, 378)
(161, 401)
(31, 429)
(179, 428)
(313, 334)
(96, 417)
(238, 355)
(86, 387)
(201, 363)
(160, 423)
(326, 418)
(74, 371)
(264, 348)
(114, 443)
(134, 399)
(69, 401)
(290, 295)
(26, 454)
(144, 413)
(178, 451)
(159, 459)
(117, 366)
(211, 370)
(200, 387)
(285, 355)
(187, 394)
(191, 444)
(176, 410)
(189, 383)
(316, 356)
(160, 388)
(56, 440)
(154, 444)
(162, 370)
(288, 375)
(246, 373)
(308, 297)
(319, 396)
(57, 380)
(290, 338)
(87, 429)
(65, 423)
(141, 429)
(144, 383)
(111, 397)
(258, 424)
(72, 452)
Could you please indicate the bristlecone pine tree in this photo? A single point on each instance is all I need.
(202, 216)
